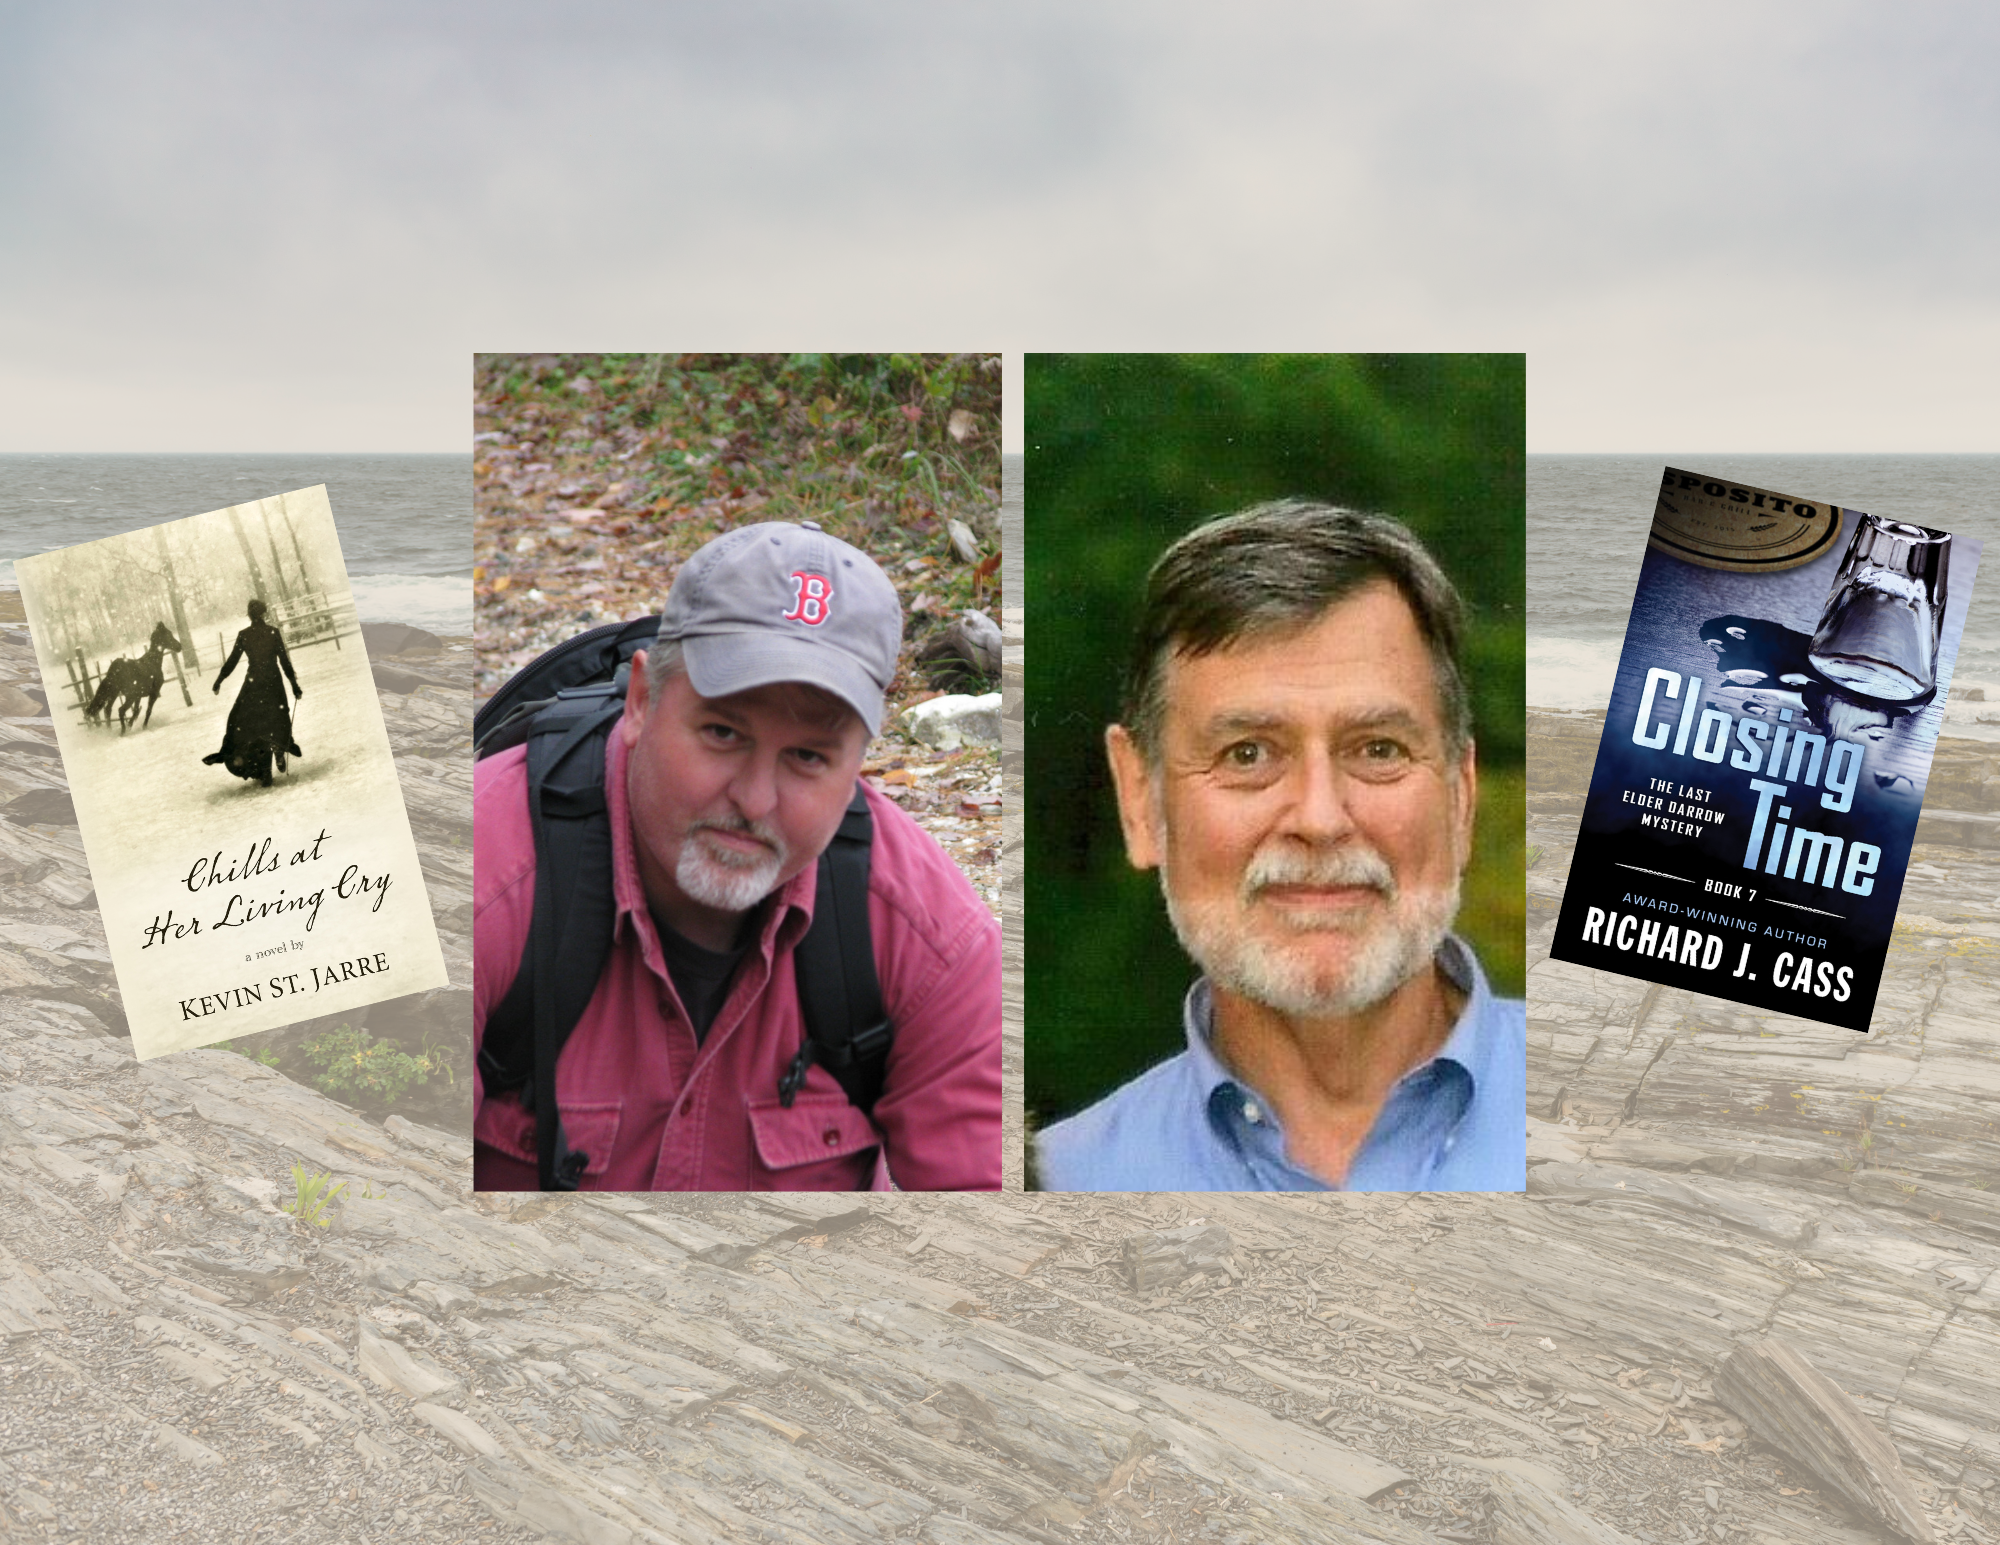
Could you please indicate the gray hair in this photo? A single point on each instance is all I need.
(663, 664)
(1275, 568)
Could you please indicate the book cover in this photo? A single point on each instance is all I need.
(231, 773)
(1764, 756)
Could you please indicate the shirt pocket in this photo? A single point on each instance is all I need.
(591, 1128)
(814, 1145)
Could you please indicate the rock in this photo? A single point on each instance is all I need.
(1527, 1513)
(258, 1190)
(395, 1367)
(251, 1277)
(202, 1373)
(513, 1498)
(1964, 1207)
(448, 1296)
(181, 1446)
(946, 723)
(439, 1016)
(1160, 1259)
(427, 1139)
(1806, 1416)
(16, 704)
(92, 1284)
(389, 678)
(35, 1505)
(964, 653)
(42, 807)
(382, 638)
(963, 543)
(460, 1430)
(1549, 1143)
(297, 1430)
(1618, 1185)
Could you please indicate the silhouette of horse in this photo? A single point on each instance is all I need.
(126, 681)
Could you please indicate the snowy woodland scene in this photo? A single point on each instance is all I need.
(134, 630)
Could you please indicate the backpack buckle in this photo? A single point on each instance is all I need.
(794, 1077)
(860, 1047)
(871, 1042)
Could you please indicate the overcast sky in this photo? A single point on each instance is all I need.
(1735, 226)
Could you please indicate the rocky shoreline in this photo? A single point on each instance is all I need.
(184, 1360)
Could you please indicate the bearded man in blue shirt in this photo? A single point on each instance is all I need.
(1297, 761)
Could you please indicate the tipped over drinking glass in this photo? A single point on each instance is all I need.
(1877, 638)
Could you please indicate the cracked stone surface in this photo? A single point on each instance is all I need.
(182, 1360)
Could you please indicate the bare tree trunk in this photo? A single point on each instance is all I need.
(181, 629)
(250, 558)
(270, 538)
(305, 579)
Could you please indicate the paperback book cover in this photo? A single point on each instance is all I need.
(1765, 753)
(231, 773)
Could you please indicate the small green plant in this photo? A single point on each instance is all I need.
(311, 1197)
(355, 1064)
(263, 1054)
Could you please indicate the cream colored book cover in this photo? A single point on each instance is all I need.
(231, 773)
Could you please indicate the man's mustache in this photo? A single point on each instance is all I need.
(743, 826)
(1345, 865)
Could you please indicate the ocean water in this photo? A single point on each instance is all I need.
(405, 522)
(1587, 522)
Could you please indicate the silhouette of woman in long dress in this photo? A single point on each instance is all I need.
(260, 724)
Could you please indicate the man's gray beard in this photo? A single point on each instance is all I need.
(729, 881)
(1397, 946)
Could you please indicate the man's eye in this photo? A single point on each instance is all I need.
(722, 733)
(813, 760)
(1383, 756)
(1245, 754)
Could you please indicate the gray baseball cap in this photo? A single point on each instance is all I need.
(778, 602)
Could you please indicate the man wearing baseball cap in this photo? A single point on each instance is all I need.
(739, 750)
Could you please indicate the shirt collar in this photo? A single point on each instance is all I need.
(1464, 1046)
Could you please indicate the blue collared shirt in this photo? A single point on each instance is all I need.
(1456, 1123)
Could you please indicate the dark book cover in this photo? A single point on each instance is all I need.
(1765, 753)
(231, 774)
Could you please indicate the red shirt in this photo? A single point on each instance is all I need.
(655, 1111)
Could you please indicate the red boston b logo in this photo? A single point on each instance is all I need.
(810, 595)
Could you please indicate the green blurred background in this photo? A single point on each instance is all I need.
(1123, 453)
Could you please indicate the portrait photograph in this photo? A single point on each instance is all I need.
(1277, 684)
(737, 791)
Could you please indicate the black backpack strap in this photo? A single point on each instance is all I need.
(569, 939)
(508, 717)
(846, 1030)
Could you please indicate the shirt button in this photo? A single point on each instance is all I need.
(832, 1136)
(1251, 1113)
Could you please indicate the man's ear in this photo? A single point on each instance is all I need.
(1134, 781)
(1467, 779)
(636, 702)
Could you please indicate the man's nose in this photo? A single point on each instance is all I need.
(754, 789)
(1318, 810)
